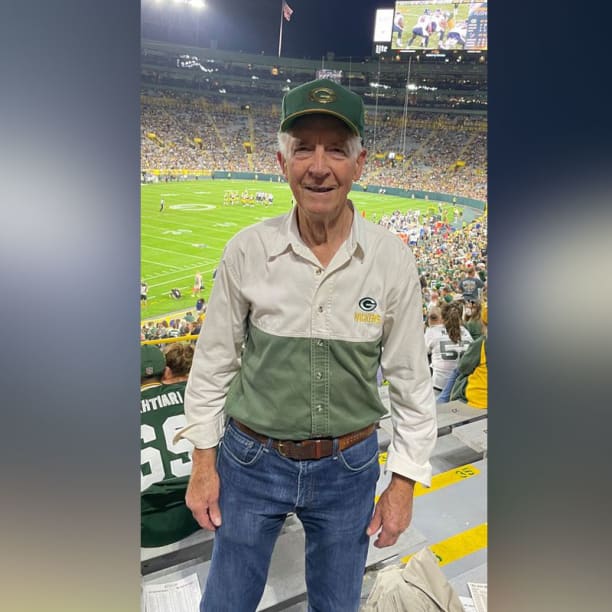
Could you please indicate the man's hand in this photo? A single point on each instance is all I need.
(202, 496)
(393, 511)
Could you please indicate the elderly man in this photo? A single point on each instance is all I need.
(282, 402)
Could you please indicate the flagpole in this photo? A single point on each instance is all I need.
(280, 35)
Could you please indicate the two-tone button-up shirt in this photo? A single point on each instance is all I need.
(292, 349)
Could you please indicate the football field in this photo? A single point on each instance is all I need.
(191, 232)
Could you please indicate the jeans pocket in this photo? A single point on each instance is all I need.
(360, 456)
(240, 447)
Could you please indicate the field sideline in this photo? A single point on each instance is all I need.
(191, 232)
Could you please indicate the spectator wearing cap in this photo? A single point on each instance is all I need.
(286, 374)
(152, 364)
(200, 306)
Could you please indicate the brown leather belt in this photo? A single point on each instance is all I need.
(313, 448)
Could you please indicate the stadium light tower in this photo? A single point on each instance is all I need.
(409, 87)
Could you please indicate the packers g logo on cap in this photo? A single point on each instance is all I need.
(322, 95)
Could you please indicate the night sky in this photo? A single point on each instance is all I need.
(252, 26)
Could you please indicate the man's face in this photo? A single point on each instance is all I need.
(320, 171)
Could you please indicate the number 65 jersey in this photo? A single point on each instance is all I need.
(445, 354)
(164, 466)
(161, 416)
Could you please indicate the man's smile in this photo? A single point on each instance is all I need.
(318, 188)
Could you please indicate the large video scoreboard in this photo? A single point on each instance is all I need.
(431, 24)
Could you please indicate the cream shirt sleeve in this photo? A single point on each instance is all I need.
(404, 364)
(217, 357)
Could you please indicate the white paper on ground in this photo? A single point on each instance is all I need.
(467, 603)
(178, 596)
(479, 595)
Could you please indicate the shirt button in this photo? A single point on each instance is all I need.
(318, 376)
(318, 271)
(320, 308)
(320, 343)
(319, 407)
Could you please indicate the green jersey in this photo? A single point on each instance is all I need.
(164, 466)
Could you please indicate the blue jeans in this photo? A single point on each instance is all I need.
(444, 396)
(334, 499)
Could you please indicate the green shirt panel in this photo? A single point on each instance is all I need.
(298, 388)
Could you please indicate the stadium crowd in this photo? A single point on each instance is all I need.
(429, 151)
(186, 324)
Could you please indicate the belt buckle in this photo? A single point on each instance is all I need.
(280, 448)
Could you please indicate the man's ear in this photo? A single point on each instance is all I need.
(282, 162)
(359, 164)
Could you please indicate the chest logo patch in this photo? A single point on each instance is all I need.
(367, 304)
(366, 315)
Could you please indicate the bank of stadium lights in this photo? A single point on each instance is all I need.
(414, 87)
(192, 61)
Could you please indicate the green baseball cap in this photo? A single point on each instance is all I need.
(152, 361)
(326, 97)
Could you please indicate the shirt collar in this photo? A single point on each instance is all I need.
(289, 236)
(150, 385)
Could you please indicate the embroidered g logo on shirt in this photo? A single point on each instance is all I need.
(367, 305)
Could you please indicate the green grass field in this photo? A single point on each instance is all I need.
(190, 234)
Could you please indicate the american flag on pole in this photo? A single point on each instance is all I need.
(287, 11)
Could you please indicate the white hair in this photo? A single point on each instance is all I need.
(286, 144)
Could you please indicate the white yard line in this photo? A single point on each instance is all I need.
(159, 263)
(180, 278)
(199, 257)
(190, 269)
(207, 232)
